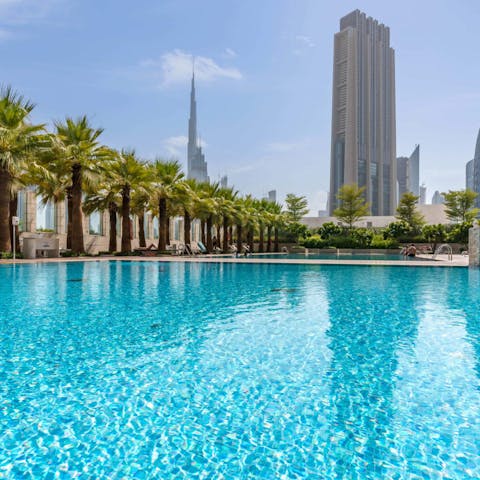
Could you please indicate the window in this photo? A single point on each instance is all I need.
(95, 224)
(45, 216)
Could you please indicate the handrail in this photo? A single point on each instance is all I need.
(440, 248)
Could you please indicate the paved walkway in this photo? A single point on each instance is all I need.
(420, 261)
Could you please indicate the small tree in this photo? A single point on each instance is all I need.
(353, 206)
(408, 213)
(434, 234)
(459, 205)
(397, 230)
(295, 207)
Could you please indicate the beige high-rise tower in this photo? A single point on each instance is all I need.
(363, 113)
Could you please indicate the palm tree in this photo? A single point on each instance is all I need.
(226, 211)
(78, 142)
(139, 205)
(262, 212)
(274, 218)
(105, 198)
(206, 208)
(167, 175)
(19, 141)
(187, 192)
(127, 173)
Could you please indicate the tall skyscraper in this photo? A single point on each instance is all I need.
(224, 182)
(196, 164)
(423, 195)
(469, 175)
(476, 171)
(408, 173)
(414, 171)
(363, 147)
(438, 198)
(272, 196)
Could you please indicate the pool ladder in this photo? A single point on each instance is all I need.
(439, 250)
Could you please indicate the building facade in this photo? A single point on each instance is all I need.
(423, 195)
(408, 173)
(476, 171)
(363, 148)
(438, 198)
(196, 164)
(469, 175)
(50, 220)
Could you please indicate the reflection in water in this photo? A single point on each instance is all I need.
(368, 327)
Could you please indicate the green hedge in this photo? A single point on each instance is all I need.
(358, 240)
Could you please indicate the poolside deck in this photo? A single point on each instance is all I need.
(420, 261)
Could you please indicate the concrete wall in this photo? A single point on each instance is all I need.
(433, 214)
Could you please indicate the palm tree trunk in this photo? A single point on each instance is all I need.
(202, 231)
(14, 237)
(162, 224)
(126, 241)
(239, 238)
(5, 185)
(250, 236)
(230, 234)
(261, 239)
(186, 227)
(276, 246)
(225, 234)
(269, 238)
(141, 230)
(167, 240)
(77, 217)
(112, 243)
(209, 234)
(69, 218)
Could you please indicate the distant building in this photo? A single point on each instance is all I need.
(423, 195)
(476, 171)
(224, 181)
(438, 198)
(272, 196)
(363, 149)
(408, 173)
(469, 178)
(323, 213)
(196, 164)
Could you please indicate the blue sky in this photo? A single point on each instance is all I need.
(264, 73)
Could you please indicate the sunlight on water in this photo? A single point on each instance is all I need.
(151, 370)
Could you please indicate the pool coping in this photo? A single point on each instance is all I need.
(422, 261)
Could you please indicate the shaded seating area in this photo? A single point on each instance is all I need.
(149, 251)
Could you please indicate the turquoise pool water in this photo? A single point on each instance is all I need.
(334, 256)
(151, 370)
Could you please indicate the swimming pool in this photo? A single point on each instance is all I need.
(334, 256)
(183, 370)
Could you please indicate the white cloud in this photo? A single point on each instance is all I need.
(176, 145)
(230, 53)
(302, 43)
(305, 41)
(21, 12)
(176, 67)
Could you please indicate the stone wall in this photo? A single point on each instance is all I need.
(474, 246)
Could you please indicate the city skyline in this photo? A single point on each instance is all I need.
(265, 76)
